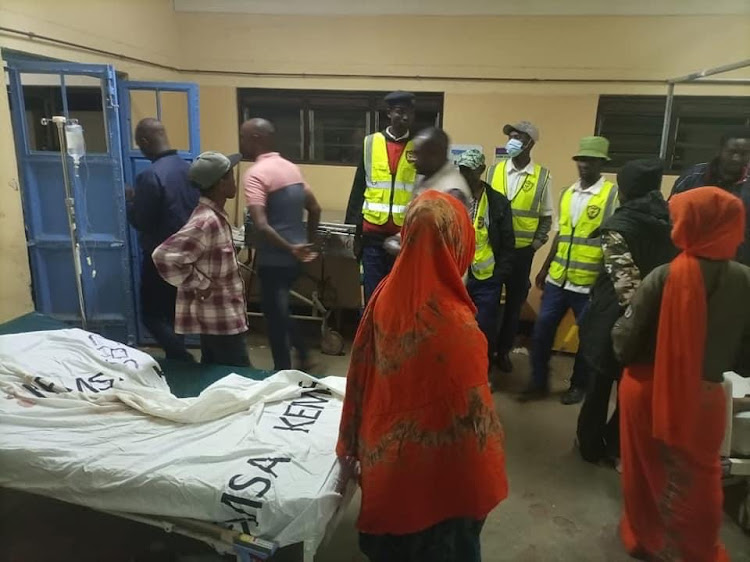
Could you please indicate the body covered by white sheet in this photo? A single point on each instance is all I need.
(92, 422)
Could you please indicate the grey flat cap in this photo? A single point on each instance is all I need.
(206, 170)
(523, 127)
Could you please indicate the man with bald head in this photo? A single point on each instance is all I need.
(160, 204)
(431, 160)
(277, 197)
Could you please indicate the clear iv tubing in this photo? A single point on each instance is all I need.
(75, 142)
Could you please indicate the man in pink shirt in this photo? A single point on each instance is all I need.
(277, 197)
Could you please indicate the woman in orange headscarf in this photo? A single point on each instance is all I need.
(418, 414)
(687, 325)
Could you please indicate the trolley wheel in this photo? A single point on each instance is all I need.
(331, 342)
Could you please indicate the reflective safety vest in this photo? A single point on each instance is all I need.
(526, 202)
(579, 256)
(484, 259)
(387, 194)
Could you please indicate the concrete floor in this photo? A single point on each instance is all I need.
(559, 508)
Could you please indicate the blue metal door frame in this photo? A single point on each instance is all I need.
(135, 162)
(99, 206)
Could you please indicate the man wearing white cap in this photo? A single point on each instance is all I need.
(528, 187)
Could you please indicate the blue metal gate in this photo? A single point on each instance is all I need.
(188, 147)
(98, 194)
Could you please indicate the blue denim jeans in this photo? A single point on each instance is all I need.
(275, 284)
(555, 304)
(486, 297)
(376, 264)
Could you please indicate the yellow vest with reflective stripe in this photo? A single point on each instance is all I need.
(386, 194)
(526, 203)
(579, 256)
(484, 259)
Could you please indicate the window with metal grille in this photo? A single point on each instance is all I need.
(328, 126)
(633, 125)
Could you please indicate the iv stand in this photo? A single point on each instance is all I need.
(60, 121)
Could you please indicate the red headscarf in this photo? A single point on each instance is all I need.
(708, 223)
(418, 412)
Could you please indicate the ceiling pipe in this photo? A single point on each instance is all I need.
(31, 36)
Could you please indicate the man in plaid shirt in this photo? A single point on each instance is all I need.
(200, 261)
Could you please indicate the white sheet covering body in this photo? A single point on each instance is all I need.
(90, 421)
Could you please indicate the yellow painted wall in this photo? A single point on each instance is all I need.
(444, 48)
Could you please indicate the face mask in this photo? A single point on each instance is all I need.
(514, 147)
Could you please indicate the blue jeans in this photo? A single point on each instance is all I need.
(555, 303)
(275, 284)
(376, 264)
(486, 297)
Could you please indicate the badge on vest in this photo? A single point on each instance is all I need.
(592, 211)
(410, 158)
(528, 184)
(480, 222)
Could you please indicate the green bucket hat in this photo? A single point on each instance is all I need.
(593, 147)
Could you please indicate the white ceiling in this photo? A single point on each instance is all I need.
(469, 7)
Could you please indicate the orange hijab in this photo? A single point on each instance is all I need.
(708, 223)
(418, 413)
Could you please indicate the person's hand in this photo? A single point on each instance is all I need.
(304, 252)
(350, 470)
(129, 193)
(203, 294)
(541, 279)
(392, 245)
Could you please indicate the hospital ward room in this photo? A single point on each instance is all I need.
(393, 281)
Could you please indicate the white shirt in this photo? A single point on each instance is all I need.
(578, 204)
(514, 178)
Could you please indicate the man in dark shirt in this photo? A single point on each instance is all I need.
(160, 205)
(728, 170)
(495, 242)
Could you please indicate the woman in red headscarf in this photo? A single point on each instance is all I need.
(418, 415)
(687, 325)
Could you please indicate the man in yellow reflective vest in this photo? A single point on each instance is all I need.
(382, 188)
(574, 262)
(528, 187)
(493, 257)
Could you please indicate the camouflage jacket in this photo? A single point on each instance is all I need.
(619, 264)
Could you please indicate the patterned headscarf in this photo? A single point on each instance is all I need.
(418, 412)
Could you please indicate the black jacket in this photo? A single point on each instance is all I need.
(502, 239)
(708, 174)
(645, 225)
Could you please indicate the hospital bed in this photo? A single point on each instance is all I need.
(300, 517)
(736, 446)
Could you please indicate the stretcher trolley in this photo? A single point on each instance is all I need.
(334, 240)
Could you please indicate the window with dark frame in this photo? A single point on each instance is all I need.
(328, 126)
(633, 125)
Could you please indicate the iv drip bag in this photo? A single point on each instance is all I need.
(75, 142)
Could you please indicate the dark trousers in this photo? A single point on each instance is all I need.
(158, 300)
(556, 301)
(376, 264)
(486, 297)
(275, 284)
(453, 540)
(516, 291)
(599, 438)
(225, 350)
